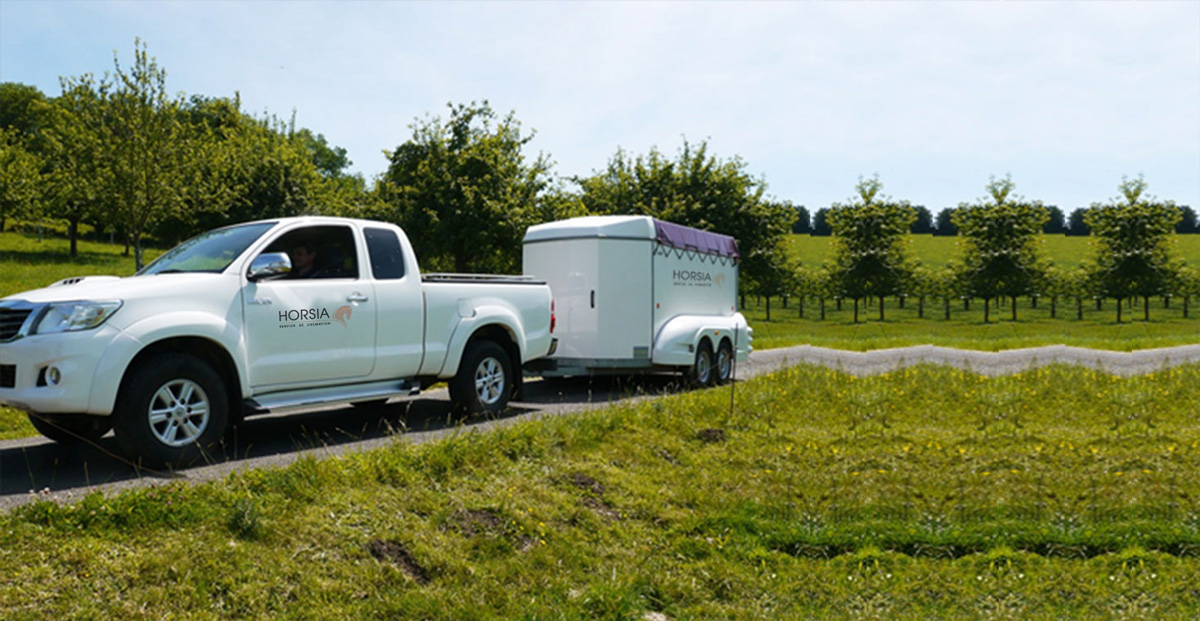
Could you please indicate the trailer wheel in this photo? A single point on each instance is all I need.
(724, 369)
(171, 410)
(483, 383)
(700, 374)
(71, 428)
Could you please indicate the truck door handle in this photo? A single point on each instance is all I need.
(593, 298)
(356, 297)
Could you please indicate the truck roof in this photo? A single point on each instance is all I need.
(635, 227)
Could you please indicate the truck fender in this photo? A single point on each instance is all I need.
(676, 342)
(468, 327)
(115, 360)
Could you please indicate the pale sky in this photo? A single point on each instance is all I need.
(933, 97)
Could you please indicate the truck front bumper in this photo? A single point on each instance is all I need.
(55, 373)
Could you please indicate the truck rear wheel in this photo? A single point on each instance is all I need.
(71, 428)
(171, 411)
(700, 374)
(483, 383)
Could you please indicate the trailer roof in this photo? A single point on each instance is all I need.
(635, 227)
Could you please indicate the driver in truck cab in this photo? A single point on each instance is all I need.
(303, 255)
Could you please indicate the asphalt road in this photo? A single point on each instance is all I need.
(36, 467)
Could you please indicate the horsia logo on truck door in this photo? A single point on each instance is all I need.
(313, 317)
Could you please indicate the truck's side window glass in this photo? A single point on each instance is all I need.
(319, 252)
(387, 260)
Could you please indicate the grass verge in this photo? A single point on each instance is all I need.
(924, 492)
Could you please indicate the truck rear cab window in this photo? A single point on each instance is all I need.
(387, 259)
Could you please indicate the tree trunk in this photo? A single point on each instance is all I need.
(1079, 308)
(947, 309)
(966, 304)
(1118, 310)
(1146, 308)
(900, 300)
(921, 307)
(1166, 301)
(881, 298)
(768, 308)
(855, 310)
(1033, 301)
(73, 235)
(1098, 300)
(2, 222)
(1054, 307)
(823, 310)
(743, 297)
(1014, 308)
(1186, 299)
(800, 306)
(987, 307)
(785, 302)
(838, 300)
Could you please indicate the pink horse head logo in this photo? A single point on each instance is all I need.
(342, 314)
(719, 281)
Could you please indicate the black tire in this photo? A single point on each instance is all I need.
(71, 428)
(724, 365)
(484, 381)
(701, 374)
(172, 411)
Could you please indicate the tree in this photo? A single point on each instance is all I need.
(1001, 255)
(820, 225)
(78, 160)
(1056, 224)
(22, 109)
(20, 178)
(802, 225)
(1187, 221)
(466, 190)
(1133, 255)
(149, 151)
(945, 223)
(1077, 224)
(869, 244)
(923, 225)
(705, 192)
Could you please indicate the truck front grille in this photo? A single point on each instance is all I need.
(11, 320)
(8, 376)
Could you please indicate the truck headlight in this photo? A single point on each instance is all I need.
(75, 316)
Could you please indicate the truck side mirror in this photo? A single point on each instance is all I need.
(269, 265)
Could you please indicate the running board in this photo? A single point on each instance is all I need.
(308, 397)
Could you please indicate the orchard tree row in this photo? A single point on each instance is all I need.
(1000, 258)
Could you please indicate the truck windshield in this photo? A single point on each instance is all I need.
(209, 252)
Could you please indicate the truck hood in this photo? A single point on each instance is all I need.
(113, 288)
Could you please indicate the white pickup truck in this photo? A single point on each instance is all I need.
(260, 317)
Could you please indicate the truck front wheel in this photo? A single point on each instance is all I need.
(484, 379)
(171, 411)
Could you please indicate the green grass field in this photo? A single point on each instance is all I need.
(923, 493)
(937, 252)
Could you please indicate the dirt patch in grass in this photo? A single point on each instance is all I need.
(711, 436)
(472, 522)
(601, 508)
(395, 553)
(586, 483)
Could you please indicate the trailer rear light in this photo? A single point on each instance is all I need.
(553, 320)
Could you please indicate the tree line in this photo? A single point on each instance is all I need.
(124, 157)
(1000, 258)
(942, 225)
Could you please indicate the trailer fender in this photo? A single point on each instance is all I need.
(676, 342)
